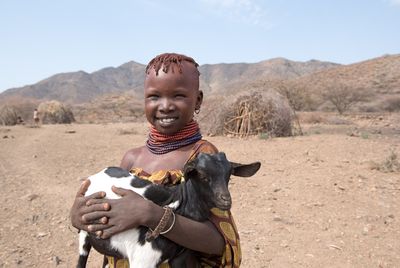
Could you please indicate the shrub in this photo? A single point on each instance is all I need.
(54, 112)
(8, 116)
(391, 104)
(343, 96)
(390, 164)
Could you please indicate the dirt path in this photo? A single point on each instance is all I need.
(316, 202)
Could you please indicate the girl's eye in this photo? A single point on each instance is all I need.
(180, 96)
(152, 97)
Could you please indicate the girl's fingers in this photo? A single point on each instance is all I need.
(120, 191)
(97, 195)
(94, 201)
(97, 216)
(97, 228)
(83, 188)
(107, 233)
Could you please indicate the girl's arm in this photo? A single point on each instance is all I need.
(132, 210)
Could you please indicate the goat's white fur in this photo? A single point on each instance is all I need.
(127, 241)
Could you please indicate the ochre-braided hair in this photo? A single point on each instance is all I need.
(168, 61)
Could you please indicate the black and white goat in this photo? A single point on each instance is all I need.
(205, 187)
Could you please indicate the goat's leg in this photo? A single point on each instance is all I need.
(84, 249)
(185, 259)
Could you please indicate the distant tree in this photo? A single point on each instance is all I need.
(297, 95)
(343, 96)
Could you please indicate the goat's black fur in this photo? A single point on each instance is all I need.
(205, 187)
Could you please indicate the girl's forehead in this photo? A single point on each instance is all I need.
(188, 78)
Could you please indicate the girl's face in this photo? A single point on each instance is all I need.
(171, 98)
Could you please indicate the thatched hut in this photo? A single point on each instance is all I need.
(252, 113)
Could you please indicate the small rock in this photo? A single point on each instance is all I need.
(365, 230)
(56, 260)
(277, 218)
(42, 234)
(31, 197)
(284, 244)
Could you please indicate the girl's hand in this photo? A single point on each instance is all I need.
(80, 209)
(130, 211)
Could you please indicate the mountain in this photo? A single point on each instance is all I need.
(380, 76)
(81, 87)
(114, 89)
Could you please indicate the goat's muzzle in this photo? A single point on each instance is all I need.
(224, 201)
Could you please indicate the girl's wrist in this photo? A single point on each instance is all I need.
(153, 215)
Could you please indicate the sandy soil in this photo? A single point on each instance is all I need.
(316, 202)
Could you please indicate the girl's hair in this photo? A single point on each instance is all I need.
(168, 61)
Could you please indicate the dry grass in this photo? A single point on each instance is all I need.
(390, 164)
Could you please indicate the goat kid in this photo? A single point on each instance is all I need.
(205, 187)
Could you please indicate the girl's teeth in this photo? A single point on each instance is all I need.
(167, 120)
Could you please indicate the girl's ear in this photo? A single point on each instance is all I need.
(199, 100)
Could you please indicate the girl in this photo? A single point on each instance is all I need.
(172, 96)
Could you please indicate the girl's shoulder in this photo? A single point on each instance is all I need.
(131, 157)
(202, 146)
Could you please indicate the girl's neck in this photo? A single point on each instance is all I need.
(158, 143)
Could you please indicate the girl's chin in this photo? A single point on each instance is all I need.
(166, 129)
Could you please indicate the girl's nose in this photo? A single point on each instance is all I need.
(166, 105)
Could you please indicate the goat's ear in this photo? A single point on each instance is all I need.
(189, 170)
(242, 170)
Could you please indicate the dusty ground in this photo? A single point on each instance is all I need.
(316, 202)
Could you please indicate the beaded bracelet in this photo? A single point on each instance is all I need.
(172, 224)
(153, 234)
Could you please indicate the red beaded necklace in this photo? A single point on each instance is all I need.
(159, 143)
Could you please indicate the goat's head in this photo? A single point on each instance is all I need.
(210, 174)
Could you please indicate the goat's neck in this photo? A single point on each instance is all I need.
(192, 205)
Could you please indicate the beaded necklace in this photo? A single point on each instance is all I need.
(159, 143)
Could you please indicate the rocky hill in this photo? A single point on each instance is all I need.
(81, 87)
(118, 92)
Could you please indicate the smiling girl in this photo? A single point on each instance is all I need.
(172, 96)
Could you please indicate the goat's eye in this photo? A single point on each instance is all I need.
(204, 178)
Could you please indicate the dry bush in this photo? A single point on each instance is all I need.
(111, 108)
(390, 164)
(343, 96)
(254, 113)
(391, 104)
(54, 112)
(8, 116)
(23, 106)
(311, 117)
(297, 95)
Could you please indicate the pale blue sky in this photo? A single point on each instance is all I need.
(39, 38)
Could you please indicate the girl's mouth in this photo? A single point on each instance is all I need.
(166, 121)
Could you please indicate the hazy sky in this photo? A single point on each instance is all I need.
(39, 38)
